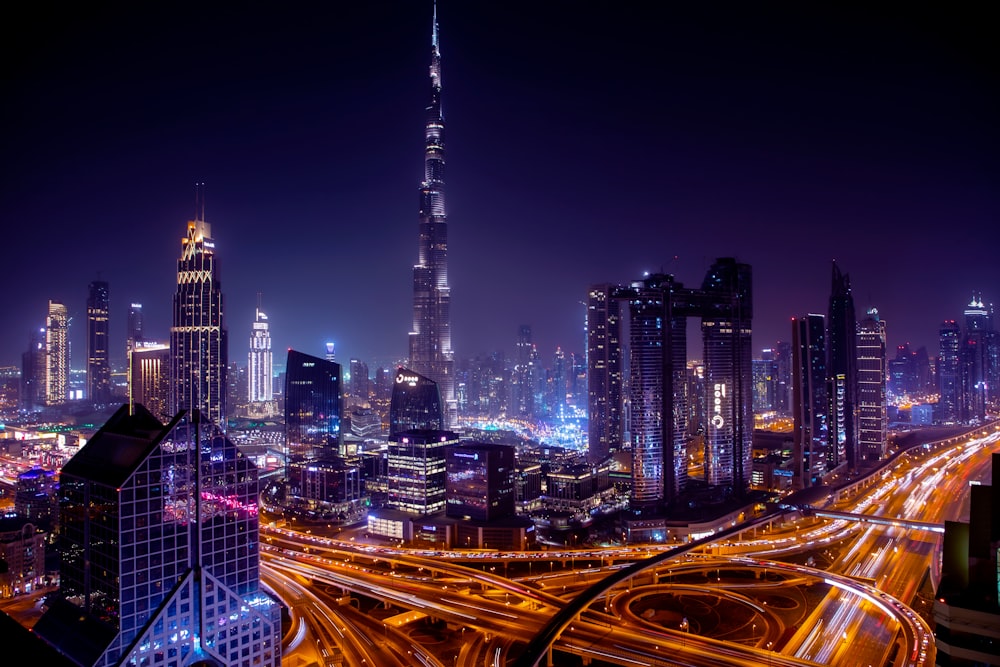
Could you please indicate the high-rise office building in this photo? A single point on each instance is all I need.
(149, 378)
(198, 341)
(605, 373)
(260, 372)
(312, 407)
(480, 481)
(160, 554)
(810, 399)
(360, 381)
(416, 470)
(654, 327)
(415, 403)
(98, 364)
(658, 364)
(34, 364)
(726, 314)
(842, 371)
(57, 354)
(522, 404)
(978, 359)
(430, 340)
(783, 360)
(949, 371)
(133, 330)
(764, 382)
(872, 443)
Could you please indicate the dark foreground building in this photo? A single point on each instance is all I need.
(160, 561)
(967, 604)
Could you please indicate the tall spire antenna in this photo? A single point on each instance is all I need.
(199, 201)
(434, 27)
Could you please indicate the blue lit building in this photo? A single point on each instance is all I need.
(160, 554)
(415, 403)
(480, 481)
(312, 406)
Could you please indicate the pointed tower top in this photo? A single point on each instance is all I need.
(434, 27)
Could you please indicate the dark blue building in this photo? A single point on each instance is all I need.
(312, 407)
(416, 403)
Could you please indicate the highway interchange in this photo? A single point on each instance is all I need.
(848, 591)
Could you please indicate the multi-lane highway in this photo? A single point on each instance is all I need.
(873, 575)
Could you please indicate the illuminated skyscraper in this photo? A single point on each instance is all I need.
(978, 359)
(415, 403)
(198, 340)
(605, 380)
(810, 399)
(312, 407)
(871, 387)
(56, 354)
(430, 340)
(33, 372)
(259, 369)
(842, 370)
(160, 556)
(98, 366)
(149, 378)
(949, 371)
(133, 333)
(726, 312)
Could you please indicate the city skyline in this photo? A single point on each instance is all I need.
(785, 138)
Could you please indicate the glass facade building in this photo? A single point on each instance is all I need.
(416, 470)
(98, 364)
(160, 554)
(842, 365)
(312, 407)
(57, 354)
(872, 445)
(198, 341)
(415, 403)
(430, 349)
(480, 481)
(605, 379)
(810, 398)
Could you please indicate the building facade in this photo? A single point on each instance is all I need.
(57, 354)
(416, 470)
(98, 362)
(842, 372)
(480, 481)
(149, 377)
(198, 341)
(415, 403)
(872, 443)
(430, 339)
(260, 370)
(312, 407)
(605, 375)
(155, 572)
(949, 369)
(810, 399)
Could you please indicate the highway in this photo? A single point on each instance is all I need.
(871, 575)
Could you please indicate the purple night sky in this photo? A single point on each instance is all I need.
(585, 143)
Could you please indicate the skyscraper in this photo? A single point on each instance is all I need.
(977, 359)
(415, 403)
(810, 399)
(160, 554)
(605, 373)
(34, 364)
(98, 365)
(842, 370)
(198, 341)
(949, 371)
(149, 378)
(871, 387)
(430, 340)
(133, 332)
(522, 402)
(56, 354)
(260, 374)
(726, 314)
(312, 407)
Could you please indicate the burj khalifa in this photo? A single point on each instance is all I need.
(430, 339)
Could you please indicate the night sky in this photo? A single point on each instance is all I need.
(586, 143)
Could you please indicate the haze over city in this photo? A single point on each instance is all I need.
(584, 145)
